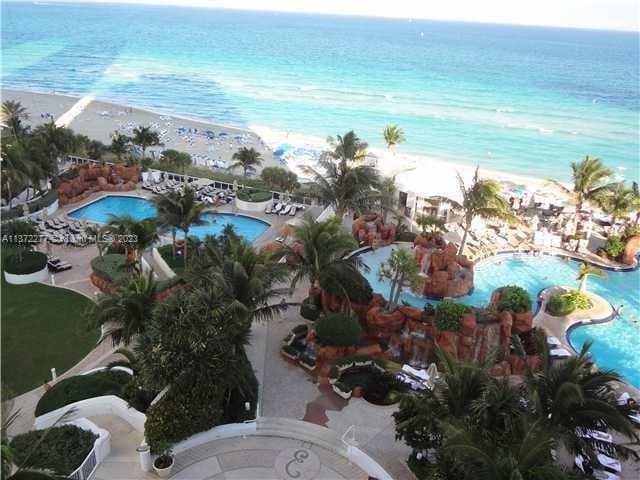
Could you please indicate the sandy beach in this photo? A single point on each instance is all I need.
(98, 120)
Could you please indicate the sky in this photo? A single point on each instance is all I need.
(601, 14)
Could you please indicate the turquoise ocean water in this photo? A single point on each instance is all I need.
(525, 100)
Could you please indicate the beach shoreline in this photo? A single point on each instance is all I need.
(94, 124)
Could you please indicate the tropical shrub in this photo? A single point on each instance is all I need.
(342, 279)
(25, 263)
(250, 195)
(406, 236)
(560, 305)
(111, 267)
(81, 387)
(383, 388)
(300, 330)
(182, 413)
(579, 299)
(514, 299)
(449, 315)
(309, 310)
(62, 450)
(338, 329)
(279, 178)
(614, 246)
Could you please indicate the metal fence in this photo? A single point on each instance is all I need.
(87, 469)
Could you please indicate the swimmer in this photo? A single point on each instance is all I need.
(617, 312)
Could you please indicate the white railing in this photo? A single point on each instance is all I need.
(88, 467)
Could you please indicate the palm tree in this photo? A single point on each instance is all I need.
(589, 177)
(119, 145)
(247, 159)
(342, 183)
(136, 235)
(178, 160)
(572, 397)
(319, 246)
(190, 214)
(52, 142)
(18, 167)
(586, 270)
(388, 198)
(144, 137)
(127, 309)
(248, 277)
(393, 135)
(401, 270)
(431, 226)
(13, 113)
(636, 201)
(169, 214)
(618, 201)
(482, 199)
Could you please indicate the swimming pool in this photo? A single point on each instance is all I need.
(615, 343)
(102, 209)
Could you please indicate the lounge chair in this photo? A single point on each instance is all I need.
(294, 208)
(559, 353)
(286, 210)
(277, 207)
(267, 210)
(553, 341)
(59, 266)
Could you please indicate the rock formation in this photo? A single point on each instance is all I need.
(90, 179)
(631, 249)
(447, 273)
(370, 230)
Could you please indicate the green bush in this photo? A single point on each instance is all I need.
(339, 279)
(162, 285)
(81, 387)
(449, 315)
(309, 310)
(579, 299)
(110, 267)
(33, 475)
(182, 413)
(25, 262)
(338, 329)
(514, 299)
(614, 246)
(62, 450)
(300, 330)
(406, 236)
(250, 195)
(560, 305)
(246, 391)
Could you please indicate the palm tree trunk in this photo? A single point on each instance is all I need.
(186, 241)
(173, 243)
(583, 284)
(463, 242)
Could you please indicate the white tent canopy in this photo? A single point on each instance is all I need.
(430, 182)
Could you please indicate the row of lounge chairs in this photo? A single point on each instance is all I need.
(213, 196)
(282, 208)
(59, 232)
(160, 188)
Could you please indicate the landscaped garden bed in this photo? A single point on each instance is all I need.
(565, 303)
(59, 449)
(254, 196)
(81, 387)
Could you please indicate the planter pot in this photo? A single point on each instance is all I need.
(366, 363)
(332, 380)
(307, 366)
(288, 355)
(345, 395)
(164, 472)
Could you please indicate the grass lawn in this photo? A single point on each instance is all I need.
(42, 327)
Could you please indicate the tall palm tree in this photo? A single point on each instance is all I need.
(319, 246)
(52, 142)
(618, 201)
(393, 135)
(178, 160)
(169, 214)
(248, 277)
(587, 269)
(126, 310)
(119, 145)
(144, 137)
(387, 198)
(18, 168)
(191, 214)
(341, 181)
(136, 235)
(572, 397)
(247, 159)
(589, 183)
(482, 199)
(13, 113)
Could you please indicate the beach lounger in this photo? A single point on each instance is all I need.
(286, 210)
(278, 206)
(595, 434)
(559, 353)
(553, 341)
(280, 239)
(293, 211)
(267, 210)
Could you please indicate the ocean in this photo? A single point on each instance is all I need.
(524, 100)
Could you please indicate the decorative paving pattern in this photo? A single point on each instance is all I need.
(297, 463)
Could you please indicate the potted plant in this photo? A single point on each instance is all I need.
(163, 464)
(334, 375)
(289, 352)
(307, 361)
(342, 389)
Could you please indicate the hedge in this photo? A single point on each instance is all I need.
(250, 195)
(110, 267)
(560, 305)
(25, 263)
(514, 299)
(81, 387)
(449, 315)
(62, 450)
(339, 330)
(34, 206)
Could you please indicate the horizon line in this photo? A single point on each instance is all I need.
(143, 3)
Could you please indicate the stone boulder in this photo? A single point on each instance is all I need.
(381, 324)
(631, 250)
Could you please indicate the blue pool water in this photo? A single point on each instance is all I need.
(139, 208)
(514, 98)
(615, 344)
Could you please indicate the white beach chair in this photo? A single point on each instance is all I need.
(277, 207)
(286, 210)
(294, 209)
(553, 341)
(267, 210)
(559, 353)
